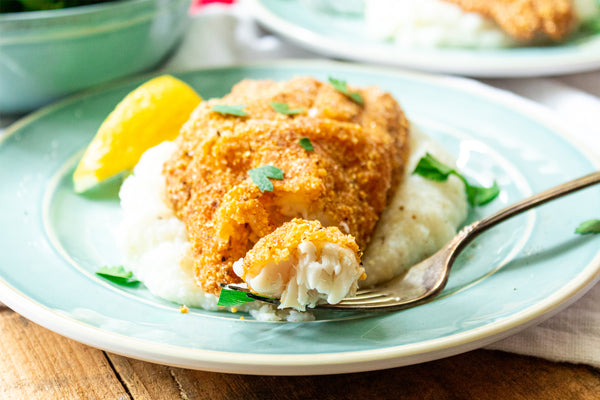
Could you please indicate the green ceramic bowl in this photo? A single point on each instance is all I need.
(45, 55)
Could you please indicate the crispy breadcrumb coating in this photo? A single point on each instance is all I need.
(283, 242)
(359, 151)
(527, 20)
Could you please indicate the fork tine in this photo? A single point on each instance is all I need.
(365, 291)
(365, 297)
(365, 306)
(374, 300)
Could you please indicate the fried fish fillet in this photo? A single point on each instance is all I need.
(359, 151)
(527, 20)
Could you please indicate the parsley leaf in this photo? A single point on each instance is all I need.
(479, 196)
(118, 275)
(591, 27)
(357, 98)
(260, 176)
(431, 168)
(226, 109)
(284, 108)
(587, 227)
(306, 144)
(229, 298)
(341, 87)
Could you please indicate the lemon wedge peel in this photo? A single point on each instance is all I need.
(150, 114)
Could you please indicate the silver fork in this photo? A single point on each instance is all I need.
(426, 279)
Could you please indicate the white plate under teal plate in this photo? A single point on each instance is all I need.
(513, 276)
(344, 36)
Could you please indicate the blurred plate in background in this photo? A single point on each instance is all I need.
(343, 35)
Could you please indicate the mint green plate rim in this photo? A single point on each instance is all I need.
(348, 360)
(334, 36)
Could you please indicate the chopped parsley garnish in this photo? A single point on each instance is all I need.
(284, 108)
(260, 176)
(118, 275)
(429, 167)
(39, 5)
(591, 26)
(587, 227)
(479, 195)
(341, 87)
(230, 298)
(237, 110)
(306, 144)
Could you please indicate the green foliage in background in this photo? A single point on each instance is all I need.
(38, 5)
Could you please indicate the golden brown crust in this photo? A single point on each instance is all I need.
(281, 244)
(344, 182)
(527, 20)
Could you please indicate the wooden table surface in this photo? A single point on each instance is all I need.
(36, 363)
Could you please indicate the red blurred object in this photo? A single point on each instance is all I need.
(204, 2)
(197, 5)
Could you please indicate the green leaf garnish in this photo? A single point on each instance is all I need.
(431, 168)
(118, 275)
(587, 227)
(479, 196)
(284, 108)
(237, 110)
(591, 26)
(341, 87)
(36, 5)
(230, 298)
(260, 176)
(306, 144)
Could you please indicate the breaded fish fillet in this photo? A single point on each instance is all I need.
(359, 150)
(527, 20)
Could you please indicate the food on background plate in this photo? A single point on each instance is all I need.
(476, 23)
(283, 185)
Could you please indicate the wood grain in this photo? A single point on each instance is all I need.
(475, 375)
(146, 380)
(38, 364)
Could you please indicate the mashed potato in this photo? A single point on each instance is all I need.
(431, 23)
(422, 216)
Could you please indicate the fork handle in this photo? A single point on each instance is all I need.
(526, 204)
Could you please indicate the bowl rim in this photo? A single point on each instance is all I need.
(72, 23)
(88, 9)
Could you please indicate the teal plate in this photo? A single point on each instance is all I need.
(344, 36)
(513, 276)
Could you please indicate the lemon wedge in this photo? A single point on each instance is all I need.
(150, 114)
